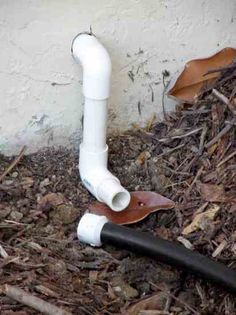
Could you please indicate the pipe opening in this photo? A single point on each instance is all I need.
(120, 201)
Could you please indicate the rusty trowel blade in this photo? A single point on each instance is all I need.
(141, 205)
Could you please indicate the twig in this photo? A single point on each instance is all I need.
(190, 164)
(220, 96)
(22, 265)
(175, 298)
(199, 172)
(172, 150)
(3, 253)
(30, 300)
(165, 87)
(153, 312)
(15, 222)
(227, 158)
(224, 99)
(202, 139)
(180, 136)
(224, 152)
(195, 112)
(13, 164)
(219, 135)
(232, 94)
(219, 249)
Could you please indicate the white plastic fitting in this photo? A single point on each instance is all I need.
(90, 227)
(96, 64)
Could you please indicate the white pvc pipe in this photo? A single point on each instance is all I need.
(96, 64)
(95, 124)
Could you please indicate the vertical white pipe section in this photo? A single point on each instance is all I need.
(95, 124)
(96, 64)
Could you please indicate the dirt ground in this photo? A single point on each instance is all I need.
(184, 158)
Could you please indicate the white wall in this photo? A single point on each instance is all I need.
(40, 85)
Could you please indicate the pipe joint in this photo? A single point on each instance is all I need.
(100, 182)
(96, 63)
(89, 229)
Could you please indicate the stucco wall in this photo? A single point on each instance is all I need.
(40, 85)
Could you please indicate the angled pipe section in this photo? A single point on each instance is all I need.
(96, 64)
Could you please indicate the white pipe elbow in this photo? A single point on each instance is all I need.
(100, 182)
(96, 64)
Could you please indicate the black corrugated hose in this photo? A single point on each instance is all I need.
(170, 253)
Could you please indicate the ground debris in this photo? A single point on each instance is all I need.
(32, 301)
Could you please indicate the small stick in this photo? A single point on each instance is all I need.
(232, 94)
(199, 173)
(3, 253)
(227, 158)
(224, 99)
(224, 152)
(219, 135)
(172, 150)
(180, 136)
(195, 112)
(13, 164)
(219, 249)
(220, 96)
(175, 298)
(153, 312)
(30, 300)
(202, 139)
(190, 164)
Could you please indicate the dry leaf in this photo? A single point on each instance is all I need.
(155, 302)
(200, 218)
(142, 204)
(192, 79)
(123, 289)
(142, 158)
(27, 182)
(51, 200)
(63, 211)
(213, 193)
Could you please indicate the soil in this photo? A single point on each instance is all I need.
(39, 250)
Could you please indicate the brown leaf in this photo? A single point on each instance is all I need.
(192, 79)
(155, 302)
(142, 158)
(63, 211)
(213, 193)
(51, 200)
(123, 289)
(27, 182)
(141, 205)
(65, 214)
(200, 219)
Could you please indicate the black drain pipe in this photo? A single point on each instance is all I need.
(96, 230)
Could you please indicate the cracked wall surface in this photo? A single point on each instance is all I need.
(40, 85)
